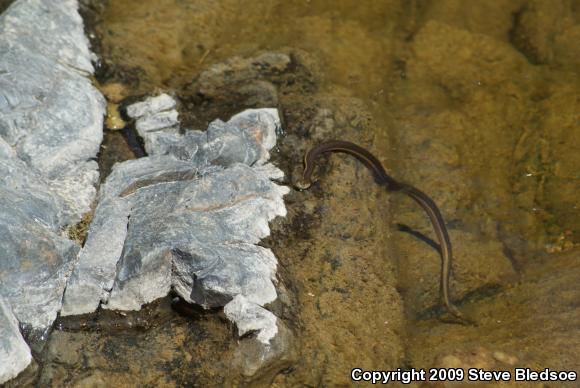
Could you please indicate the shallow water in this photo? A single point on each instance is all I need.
(477, 106)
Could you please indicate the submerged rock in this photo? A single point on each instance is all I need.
(50, 130)
(187, 218)
(271, 349)
(245, 73)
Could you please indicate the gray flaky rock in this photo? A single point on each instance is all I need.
(204, 227)
(245, 138)
(49, 111)
(251, 317)
(50, 130)
(187, 218)
(14, 352)
(35, 260)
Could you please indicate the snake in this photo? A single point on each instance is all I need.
(383, 179)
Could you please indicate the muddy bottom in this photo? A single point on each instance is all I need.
(477, 106)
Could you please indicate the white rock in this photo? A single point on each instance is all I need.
(250, 317)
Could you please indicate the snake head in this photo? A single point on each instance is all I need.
(302, 184)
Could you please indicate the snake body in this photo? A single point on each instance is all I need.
(383, 179)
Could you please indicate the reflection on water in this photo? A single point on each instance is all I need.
(477, 105)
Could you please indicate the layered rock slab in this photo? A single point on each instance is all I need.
(186, 218)
(50, 132)
(35, 260)
(14, 352)
(50, 112)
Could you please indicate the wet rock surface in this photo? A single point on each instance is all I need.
(480, 269)
(170, 347)
(547, 335)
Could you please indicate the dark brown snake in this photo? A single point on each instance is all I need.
(383, 179)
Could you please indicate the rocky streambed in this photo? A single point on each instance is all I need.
(195, 263)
